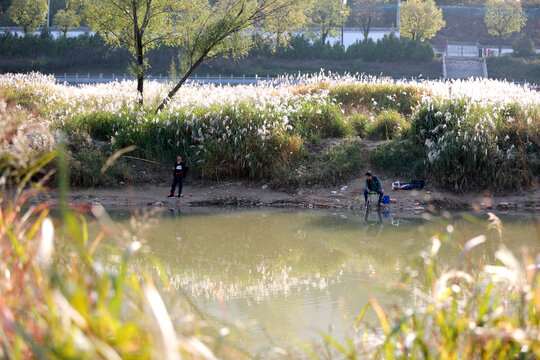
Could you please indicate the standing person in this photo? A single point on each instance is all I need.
(179, 173)
(373, 184)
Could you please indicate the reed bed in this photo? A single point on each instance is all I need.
(466, 135)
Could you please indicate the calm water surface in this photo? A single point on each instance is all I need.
(299, 272)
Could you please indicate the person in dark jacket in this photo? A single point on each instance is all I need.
(180, 170)
(373, 184)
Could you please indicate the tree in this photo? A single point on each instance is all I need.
(329, 14)
(523, 46)
(365, 11)
(28, 14)
(139, 26)
(280, 27)
(503, 18)
(420, 20)
(223, 29)
(65, 20)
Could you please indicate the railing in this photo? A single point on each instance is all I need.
(224, 80)
(233, 80)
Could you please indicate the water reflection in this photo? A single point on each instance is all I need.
(295, 271)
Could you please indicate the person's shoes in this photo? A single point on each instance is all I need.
(179, 195)
(366, 203)
(170, 195)
(379, 204)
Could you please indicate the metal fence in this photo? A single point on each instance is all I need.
(74, 79)
(218, 80)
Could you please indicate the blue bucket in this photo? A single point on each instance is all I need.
(386, 199)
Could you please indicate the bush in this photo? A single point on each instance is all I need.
(338, 164)
(467, 150)
(390, 48)
(400, 157)
(519, 69)
(359, 124)
(387, 126)
(315, 121)
(523, 46)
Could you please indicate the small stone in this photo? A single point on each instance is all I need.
(264, 187)
(158, 203)
(121, 183)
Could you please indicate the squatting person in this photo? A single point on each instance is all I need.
(373, 184)
(180, 171)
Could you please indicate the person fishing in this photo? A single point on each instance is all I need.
(179, 173)
(373, 184)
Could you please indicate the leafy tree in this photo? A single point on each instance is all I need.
(293, 18)
(65, 20)
(420, 20)
(28, 14)
(222, 29)
(523, 46)
(329, 14)
(365, 11)
(503, 18)
(139, 26)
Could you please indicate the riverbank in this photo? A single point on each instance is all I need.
(316, 131)
(253, 194)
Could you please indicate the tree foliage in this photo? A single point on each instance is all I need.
(365, 12)
(504, 17)
(139, 26)
(28, 14)
(327, 15)
(420, 20)
(65, 20)
(223, 29)
(282, 26)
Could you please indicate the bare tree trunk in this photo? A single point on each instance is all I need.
(140, 71)
(324, 35)
(366, 27)
(139, 57)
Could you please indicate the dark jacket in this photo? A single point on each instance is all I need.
(180, 169)
(374, 184)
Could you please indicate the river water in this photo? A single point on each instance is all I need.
(295, 273)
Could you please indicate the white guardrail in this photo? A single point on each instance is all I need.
(218, 80)
(74, 79)
(232, 80)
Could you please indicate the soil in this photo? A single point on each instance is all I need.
(348, 195)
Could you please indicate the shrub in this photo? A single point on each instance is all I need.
(523, 46)
(359, 124)
(400, 157)
(519, 69)
(391, 48)
(387, 126)
(316, 120)
(338, 164)
(466, 149)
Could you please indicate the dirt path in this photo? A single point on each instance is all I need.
(345, 196)
(340, 197)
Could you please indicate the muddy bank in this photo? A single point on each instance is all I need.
(249, 194)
